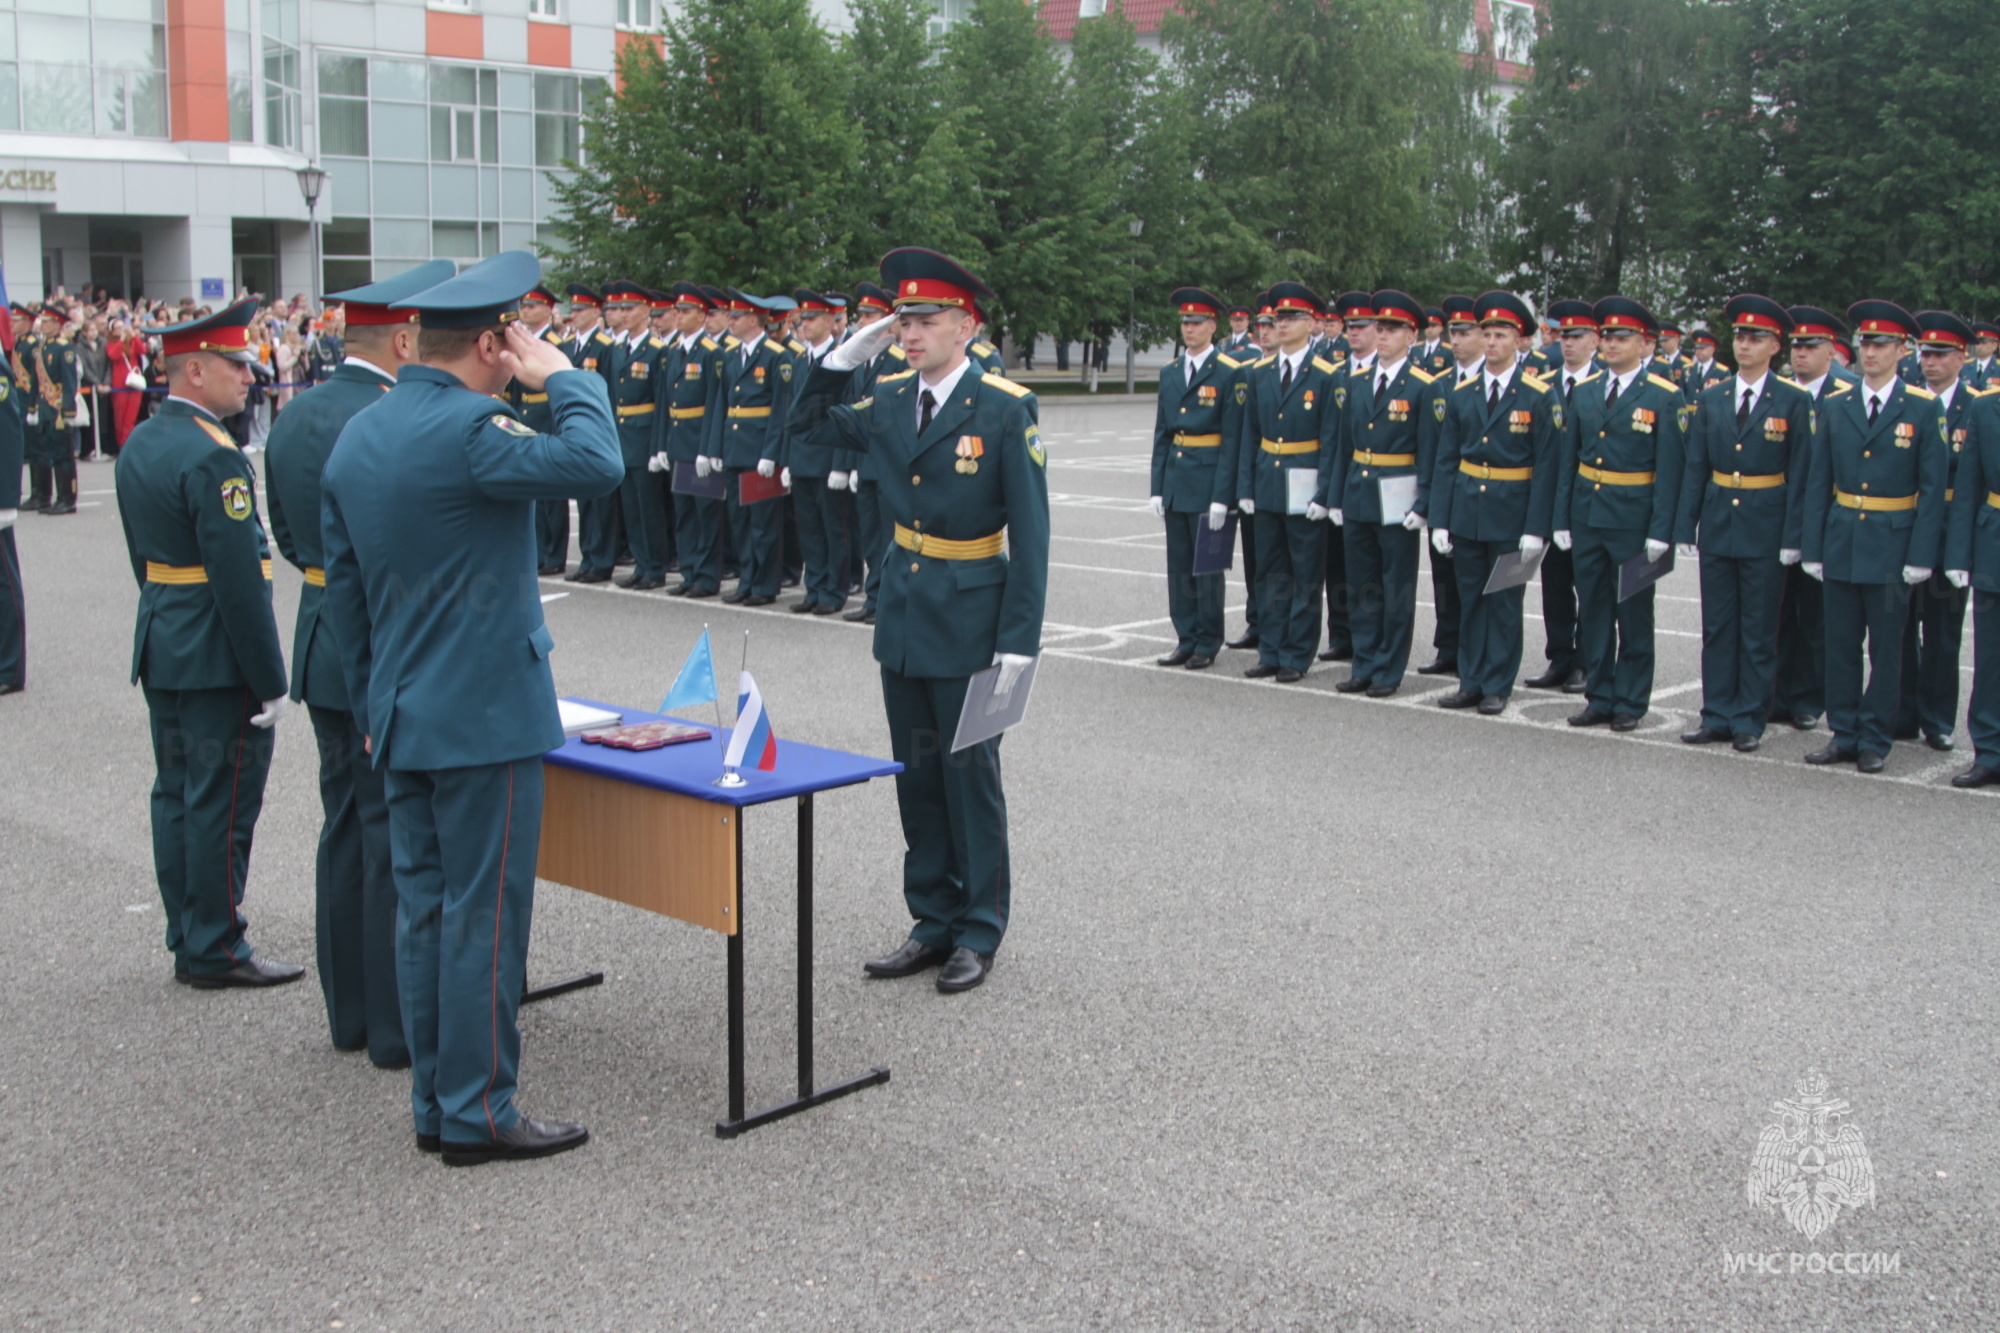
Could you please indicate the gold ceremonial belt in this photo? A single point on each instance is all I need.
(315, 576)
(1993, 498)
(1197, 441)
(1736, 481)
(534, 398)
(979, 548)
(1366, 459)
(636, 410)
(1485, 473)
(1948, 493)
(749, 411)
(1289, 446)
(1893, 504)
(1589, 473)
(685, 413)
(159, 573)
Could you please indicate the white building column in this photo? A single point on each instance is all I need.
(66, 236)
(180, 252)
(21, 251)
(295, 275)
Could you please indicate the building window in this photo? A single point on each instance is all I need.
(465, 121)
(545, 9)
(343, 106)
(1513, 31)
(282, 80)
(101, 72)
(639, 15)
(1090, 9)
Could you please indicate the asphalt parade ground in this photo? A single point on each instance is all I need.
(1316, 1012)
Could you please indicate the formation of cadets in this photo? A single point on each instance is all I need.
(1834, 515)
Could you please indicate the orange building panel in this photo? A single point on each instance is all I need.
(457, 36)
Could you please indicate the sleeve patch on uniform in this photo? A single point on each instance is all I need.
(1437, 408)
(236, 498)
(1556, 414)
(1034, 439)
(1242, 393)
(785, 371)
(511, 426)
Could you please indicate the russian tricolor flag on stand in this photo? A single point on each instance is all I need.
(753, 738)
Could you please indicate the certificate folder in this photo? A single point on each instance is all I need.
(1215, 550)
(986, 714)
(710, 487)
(1512, 570)
(1639, 573)
(1399, 494)
(756, 488)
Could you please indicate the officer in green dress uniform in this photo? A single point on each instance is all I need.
(1575, 359)
(961, 471)
(1356, 316)
(1390, 434)
(13, 604)
(1982, 369)
(1739, 511)
(53, 429)
(589, 348)
(1295, 404)
(1705, 369)
(205, 646)
(1935, 629)
(1617, 489)
(1241, 340)
(631, 360)
(1492, 493)
(428, 523)
(690, 372)
(551, 516)
(1265, 334)
(1468, 360)
(756, 392)
(1433, 355)
(1972, 561)
(1873, 527)
(26, 340)
(871, 303)
(818, 475)
(1191, 489)
(354, 890)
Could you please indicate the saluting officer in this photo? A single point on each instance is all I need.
(871, 304)
(1873, 526)
(205, 646)
(538, 309)
(55, 412)
(960, 465)
(589, 348)
(354, 890)
(1493, 492)
(1617, 491)
(690, 388)
(1935, 628)
(818, 479)
(757, 388)
(428, 525)
(1196, 408)
(1972, 560)
(13, 604)
(1294, 402)
(1389, 436)
(1576, 359)
(1740, 509)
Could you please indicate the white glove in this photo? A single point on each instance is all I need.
(1816, 569)
(657, 463)
(716, 467)
(1440, 541)
(863, 347)
(33, 417)
(701, 466)
(784, 478)
(1159, 505)
(1563, 539)
(8, 516)
(1913, 576)
(1218, 514)
(135, 380)
(1654, 550)
(836, 481)
(1011, 666)
(1957, 578)
(1414, 522)
(273, 710)
(1530, 544)
(1791, 555)
(1316, 512)
(1335, 517)
(766, 468)
(1247, 506)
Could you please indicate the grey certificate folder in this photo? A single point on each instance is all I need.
(1512, 570)
(984, 715)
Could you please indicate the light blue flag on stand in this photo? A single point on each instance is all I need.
(696, 683)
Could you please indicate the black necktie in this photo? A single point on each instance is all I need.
(1569, 388)
(1611, 397)
(926, 405)
(1743, 410)
(1284, 378)
(1492, 394)
(1874, 409)
(1381, 387)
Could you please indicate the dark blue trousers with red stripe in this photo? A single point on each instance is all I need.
(208, 787)
(464, 843)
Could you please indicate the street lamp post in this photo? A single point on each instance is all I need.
(1132, 303)
(312, 179)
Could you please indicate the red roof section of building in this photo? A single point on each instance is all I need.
(1059, 17)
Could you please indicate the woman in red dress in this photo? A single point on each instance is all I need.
(127, 354)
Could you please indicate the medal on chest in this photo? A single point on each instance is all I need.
(1776, 428)
(1399, 409)
(1906, 434)
(1205, 394)
(1518, 422)
(970, 450)
(1643, 420)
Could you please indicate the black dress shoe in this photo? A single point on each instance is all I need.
(1381, 691)
(527, 1138)
(914, 957)
(1977, 776)
(1746, 743)
(1703, 736)
(1625, 722)
(1548, 680)
(1589, 717)
(804, 606)
(587, 576)
(1804, 721)
(58, 510)
(1830, 754)
(548, 571)
(180, 975)
(429, 1143)
(252, 971)
(640, 583)
(392, 1065)
(1200, 662)
(737, 595)
(964, 970)
(680, 589)
(1248, 640)
(1352, 685)
(1178, 657)
(825, 609)
(1289, 675)
(859, 614)
(1438, 666)
(1576, 682)
(697, 594)
(1337, 655)
(1868, 762)
(1459, 699)
(760, 599)
(1262, 671)
(1493, 705)
(1938, 742)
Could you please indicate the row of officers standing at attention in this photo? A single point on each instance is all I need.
(1834, 516)
(38, 409)
(406, 490)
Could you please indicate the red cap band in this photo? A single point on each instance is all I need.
(1586, 322)
(360, 314)
(1751, 319)
(931, 291)
(235, 338)
(1498, 315)
(1815, 331)
(1632, 322)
